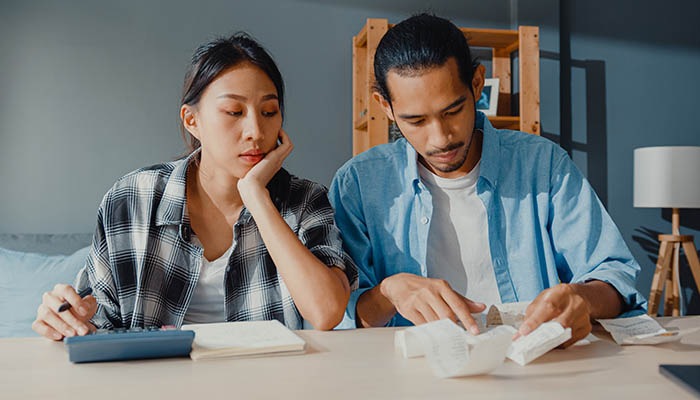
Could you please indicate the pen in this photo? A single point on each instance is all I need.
(66, 305)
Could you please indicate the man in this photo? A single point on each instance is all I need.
(457, 214)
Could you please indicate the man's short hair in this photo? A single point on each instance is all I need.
(418, 43)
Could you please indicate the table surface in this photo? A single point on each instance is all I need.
(350, 364)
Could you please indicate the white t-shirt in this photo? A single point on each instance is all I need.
(458, 240)
(208, 303)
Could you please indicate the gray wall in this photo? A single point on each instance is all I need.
(89, 90)
(650, 58)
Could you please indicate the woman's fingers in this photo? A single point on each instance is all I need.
(55, 325)
(48, 315)
(46, 331)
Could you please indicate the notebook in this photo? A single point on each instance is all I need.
(687, 376)
(243, 339)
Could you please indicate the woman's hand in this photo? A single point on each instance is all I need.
(255, 181)
(75, 321)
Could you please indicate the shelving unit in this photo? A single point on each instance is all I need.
(370, 124)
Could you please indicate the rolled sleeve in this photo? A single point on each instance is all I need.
(587, 244)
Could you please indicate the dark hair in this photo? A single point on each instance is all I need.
(215, 57)
(418, 43)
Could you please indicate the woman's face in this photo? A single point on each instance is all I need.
(237, 120)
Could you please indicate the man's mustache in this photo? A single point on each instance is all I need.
(449, 148)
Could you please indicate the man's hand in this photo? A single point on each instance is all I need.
(75, 321)
(259, 176)
(422, 300)
(562, 303)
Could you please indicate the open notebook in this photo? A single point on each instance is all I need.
(245, 338)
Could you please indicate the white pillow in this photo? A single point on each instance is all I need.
(24, 277)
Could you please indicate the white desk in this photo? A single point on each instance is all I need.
(349, 364)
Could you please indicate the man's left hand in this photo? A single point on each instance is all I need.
(561, 303)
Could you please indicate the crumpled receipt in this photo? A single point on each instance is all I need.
(538, 342)
(641, 329)
(451, 351)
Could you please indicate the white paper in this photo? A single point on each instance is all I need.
(512, 314)
(668, 336)
(538, 342)
(453, 352)
(409, 346)
(641, 329)
(242, 338)
(591, 338)
(629, 330)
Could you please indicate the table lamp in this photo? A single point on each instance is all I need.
(669, 177)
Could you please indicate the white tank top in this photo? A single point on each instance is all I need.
(458, 240)
(208, 300)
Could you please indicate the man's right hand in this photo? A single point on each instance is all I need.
(75, 321)
(422, 300)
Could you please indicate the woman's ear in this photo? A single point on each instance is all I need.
(189, 120)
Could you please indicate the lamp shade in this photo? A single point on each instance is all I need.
(667, 177)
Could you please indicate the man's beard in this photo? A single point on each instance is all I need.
(455, 165)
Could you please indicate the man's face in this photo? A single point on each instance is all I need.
(435, 112)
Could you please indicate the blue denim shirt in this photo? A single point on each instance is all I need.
(546, 224)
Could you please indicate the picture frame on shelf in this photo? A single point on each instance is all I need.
(488, 102)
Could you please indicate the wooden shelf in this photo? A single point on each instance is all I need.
(370, 124)
(505, 122)
(361, 122)
(495, 38)
(498, 122)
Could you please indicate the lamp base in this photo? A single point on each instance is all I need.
(669, 256)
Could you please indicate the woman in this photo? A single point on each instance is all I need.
(224, 234)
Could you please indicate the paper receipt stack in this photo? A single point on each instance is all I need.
(453, 352)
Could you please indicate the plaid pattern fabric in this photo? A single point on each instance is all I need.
(143, 269)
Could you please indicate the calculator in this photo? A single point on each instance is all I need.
(129, 344)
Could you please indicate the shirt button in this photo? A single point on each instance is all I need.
(424, 220)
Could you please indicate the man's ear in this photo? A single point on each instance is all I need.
(478, 81)
(386, 107)
(189, 120)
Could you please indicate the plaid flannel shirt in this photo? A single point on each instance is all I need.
(143, 269)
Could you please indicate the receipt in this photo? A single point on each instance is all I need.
(543, 339)
(511, 314)
(641, 329)
(526, 348)
(453, 352)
